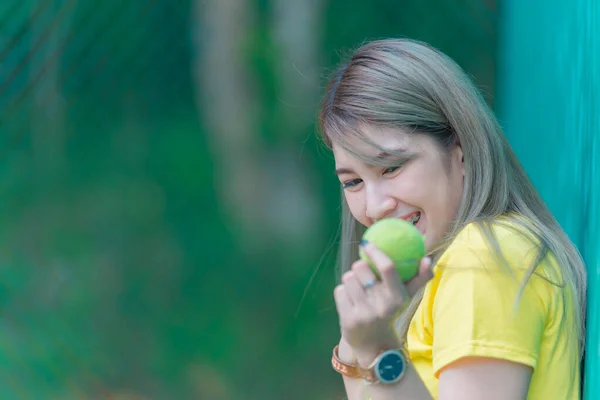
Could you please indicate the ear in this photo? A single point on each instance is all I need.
(460, 158)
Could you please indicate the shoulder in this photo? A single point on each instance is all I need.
(497, 262)
(509, 231)
(490, 296)
(507, 241)
(501, 260)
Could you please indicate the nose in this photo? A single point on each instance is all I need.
(379, 203)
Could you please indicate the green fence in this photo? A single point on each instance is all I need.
(549, 103)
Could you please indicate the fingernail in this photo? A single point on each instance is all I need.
(363, 243)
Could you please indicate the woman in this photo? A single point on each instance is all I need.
(497, 310)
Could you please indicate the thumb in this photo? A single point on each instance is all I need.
(425, 274)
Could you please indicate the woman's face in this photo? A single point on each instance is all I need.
(425, 190)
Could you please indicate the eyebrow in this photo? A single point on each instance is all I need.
(341, 171)
(385, 154)
(381, 155)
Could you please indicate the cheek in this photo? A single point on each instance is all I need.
(432, 189)
(446, 201)
(457, 196)
(356, 206)
(415, 187)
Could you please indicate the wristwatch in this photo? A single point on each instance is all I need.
(387, 368)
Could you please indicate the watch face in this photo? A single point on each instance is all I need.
(391, 366)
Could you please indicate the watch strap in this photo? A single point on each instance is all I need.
(353, 370)
(347, 369)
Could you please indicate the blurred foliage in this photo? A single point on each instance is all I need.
(122, 275)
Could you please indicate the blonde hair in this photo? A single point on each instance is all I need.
(409, 85)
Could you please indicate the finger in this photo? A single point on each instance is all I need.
(343, 303)
(424, 276)
(363, 272)
(355, 289)
(378, 295)
(389, 276)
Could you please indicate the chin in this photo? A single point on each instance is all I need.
(431, 243)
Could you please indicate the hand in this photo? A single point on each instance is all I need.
(368, 314)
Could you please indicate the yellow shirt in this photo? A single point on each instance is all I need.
(468, 309)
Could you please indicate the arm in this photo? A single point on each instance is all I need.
(363, 320)
(367, 319)
(474, 378)
(471, 378)
(353, 386)
(411, 387)
(486, 345)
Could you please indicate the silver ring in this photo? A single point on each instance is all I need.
(369, 284)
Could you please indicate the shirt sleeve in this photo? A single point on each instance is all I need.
(476, 313)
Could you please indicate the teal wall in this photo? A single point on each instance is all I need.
(548, 100)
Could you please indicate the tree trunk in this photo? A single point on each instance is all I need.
(225, 96)
(265, 192)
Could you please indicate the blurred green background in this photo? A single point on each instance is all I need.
(168, 214)
(165, 199)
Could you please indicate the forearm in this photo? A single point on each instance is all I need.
(411, 387)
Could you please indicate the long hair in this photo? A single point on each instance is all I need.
(409, 85)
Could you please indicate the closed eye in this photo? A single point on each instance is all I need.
(351, 183)
(391, 170)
